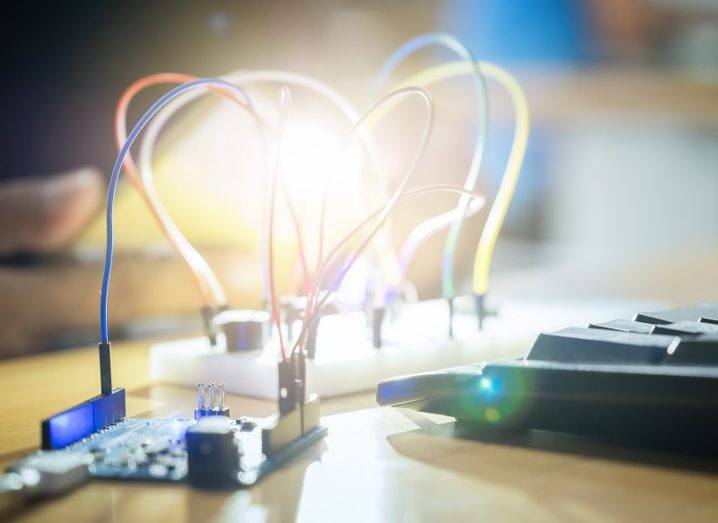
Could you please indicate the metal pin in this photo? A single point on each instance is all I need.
(212, 396)
(221, 396)
(200, 396)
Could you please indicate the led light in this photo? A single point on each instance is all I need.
(486, 384)
(307, 150)
(310, 153)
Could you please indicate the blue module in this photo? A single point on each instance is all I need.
(80, 421)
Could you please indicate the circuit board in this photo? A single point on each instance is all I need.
(147, 449)
(156, 450)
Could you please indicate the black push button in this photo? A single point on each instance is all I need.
(625, 326)
(695, 350)
(686, 328)
(694, 313)
(579, 345)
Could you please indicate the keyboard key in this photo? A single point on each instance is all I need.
(695, 350)
(686, 328)
(625, 326)
(694, 313)
(581, 345)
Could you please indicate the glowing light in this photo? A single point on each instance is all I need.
(353, 287)
(310, 152)
(312, 157)
(30, 477)
(494, 397)
(486, 384)
(490, 388)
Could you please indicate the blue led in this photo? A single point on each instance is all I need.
(490, 387)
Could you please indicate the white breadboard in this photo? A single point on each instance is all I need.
(415, 340)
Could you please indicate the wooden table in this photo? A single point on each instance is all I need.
(376, 465)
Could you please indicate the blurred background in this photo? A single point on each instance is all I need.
(621, 170)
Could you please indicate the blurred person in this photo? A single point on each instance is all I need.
(43, 215)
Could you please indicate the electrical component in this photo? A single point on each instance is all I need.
(285, 102)
(356, 229)
(298, 414)
(422, 232)
(292, 379)
(84, 419)
(207, 281)
(104, 350)
(213, 452)
(395, 59)
(210, 401)
(377, 319)
(482, 310)
(290, 428)
(244, 330)
(494, 222)
(208, 284)
(115, 175)
(293, 309)
(311, 345)
(207, 314)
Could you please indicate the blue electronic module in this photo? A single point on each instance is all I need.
(80, 421)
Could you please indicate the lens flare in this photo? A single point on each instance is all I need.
(497, 396)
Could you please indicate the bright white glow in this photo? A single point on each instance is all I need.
(486, 384)
(353, 287)
(30, 476)
(310, 153)
(311, 158)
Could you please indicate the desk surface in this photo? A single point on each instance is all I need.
(376, 464)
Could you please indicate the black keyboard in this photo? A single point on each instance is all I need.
(652, 379)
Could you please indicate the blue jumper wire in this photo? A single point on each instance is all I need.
(124, 151)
